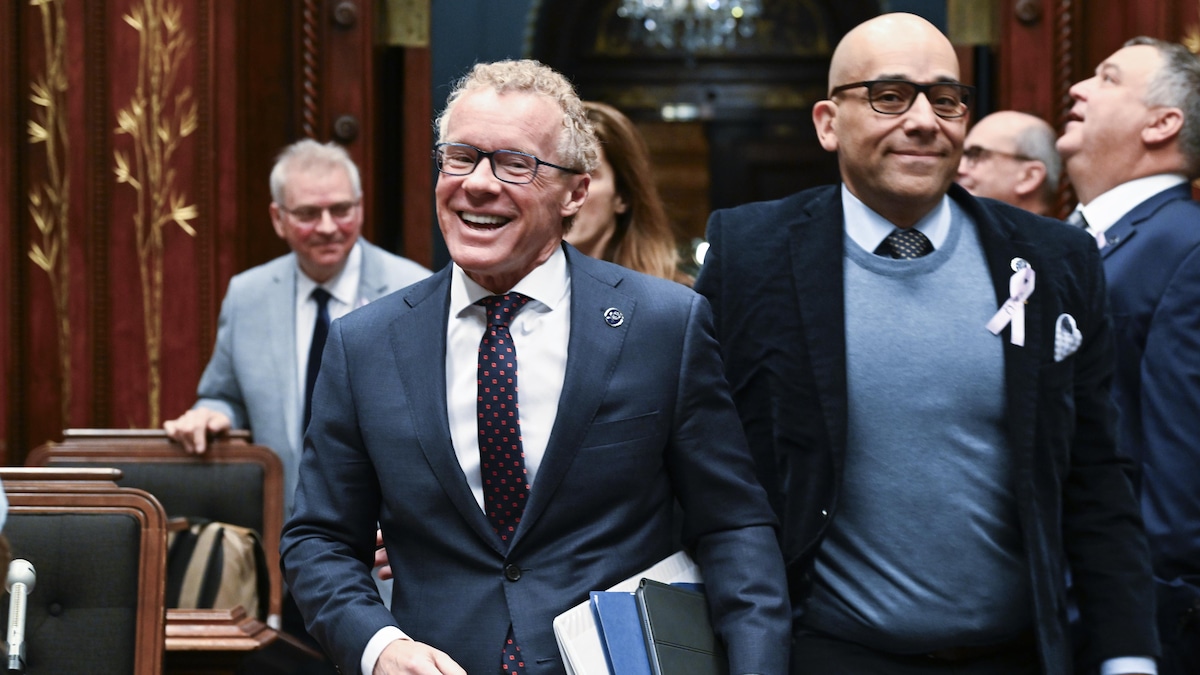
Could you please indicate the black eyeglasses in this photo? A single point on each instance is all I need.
(510, 166)
(309, 215)
(977, 153)
(894, 97)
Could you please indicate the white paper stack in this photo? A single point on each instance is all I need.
(578, 634)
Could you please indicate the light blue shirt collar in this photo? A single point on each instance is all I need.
(868, 229)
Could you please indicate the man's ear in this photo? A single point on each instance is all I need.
(824, 117)
(277, 220)
(574, 197)
(1164, 126)
(1030, 180)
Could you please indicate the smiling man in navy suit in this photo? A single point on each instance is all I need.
(923, 378)
(1131, 144)
(506, 494)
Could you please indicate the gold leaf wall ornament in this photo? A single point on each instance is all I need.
(49, 200)
(1192, 39)
(158, 117)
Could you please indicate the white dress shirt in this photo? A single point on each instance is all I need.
(343, 289)
(1104, 211)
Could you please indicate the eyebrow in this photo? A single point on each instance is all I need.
(944, 79)
(1110, 68)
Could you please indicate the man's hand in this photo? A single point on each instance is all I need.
(193, 427)
(381, 559)
(406, 657)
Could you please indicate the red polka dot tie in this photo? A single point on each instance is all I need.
(501, 457)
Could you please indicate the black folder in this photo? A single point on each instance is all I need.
(679, 636)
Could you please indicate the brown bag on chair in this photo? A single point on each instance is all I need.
(215, 565)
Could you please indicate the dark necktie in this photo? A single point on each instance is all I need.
(905, 244)
(501, 456)
(320, 332)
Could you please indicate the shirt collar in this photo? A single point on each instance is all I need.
(868, 229)
(547, 284)
(343, 286)
(1104, 211)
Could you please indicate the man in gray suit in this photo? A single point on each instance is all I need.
(257, 376)
(495, 522)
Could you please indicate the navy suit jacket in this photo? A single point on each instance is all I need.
(774, 276)
(645, 415)
(1152, 262)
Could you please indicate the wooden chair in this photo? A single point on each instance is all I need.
(233, 482)
(99, 551)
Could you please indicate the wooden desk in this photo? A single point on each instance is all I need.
(218, 641)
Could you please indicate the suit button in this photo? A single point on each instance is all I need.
(512, 572)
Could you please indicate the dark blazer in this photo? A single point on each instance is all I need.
(645, 415)
(774, 276)
(1152, 262)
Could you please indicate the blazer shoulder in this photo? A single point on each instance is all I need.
(773, 214)
(263, 279)
(1051, 237)
(393, 305)
(390, 269)
(623, 279)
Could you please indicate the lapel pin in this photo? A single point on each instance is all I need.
(1018, 264)
(613, 317)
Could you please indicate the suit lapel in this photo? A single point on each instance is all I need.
(418, 339)
(1126, 228)
(1021, 363)
(279, 319)
(594, 349)
(817, 244)
(372, 284)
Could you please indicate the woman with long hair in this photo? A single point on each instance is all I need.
(623, 219)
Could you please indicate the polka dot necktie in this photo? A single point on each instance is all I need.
(501, 457)
(905, 244)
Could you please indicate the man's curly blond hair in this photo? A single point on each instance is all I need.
(577, 145)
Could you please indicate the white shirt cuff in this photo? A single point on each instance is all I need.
(386, 636)
(1124, 665)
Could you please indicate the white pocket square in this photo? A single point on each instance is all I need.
(1067, 337)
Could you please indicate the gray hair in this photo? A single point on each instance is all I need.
(306, 155)
(1036, 141)
(577, 145)
(1177, 85)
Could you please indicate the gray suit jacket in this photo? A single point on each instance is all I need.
(645, 417)
(252, 376)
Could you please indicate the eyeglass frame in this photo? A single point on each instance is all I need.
(491, 158)
(319, 211)
(967, 91)
(977, 153)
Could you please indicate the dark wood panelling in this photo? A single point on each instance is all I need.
(236, 96)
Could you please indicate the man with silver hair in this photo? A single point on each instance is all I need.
(1131, 146)
(269, 334)
(495, 522)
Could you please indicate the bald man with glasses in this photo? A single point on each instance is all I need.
(1010, 156)
(923, 378)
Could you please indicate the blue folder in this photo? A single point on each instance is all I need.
(621, 628)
